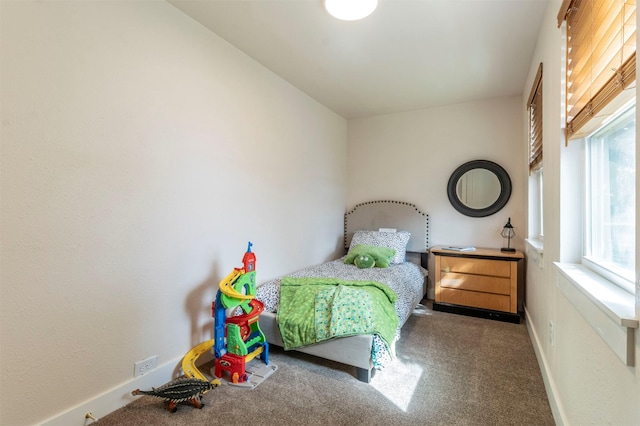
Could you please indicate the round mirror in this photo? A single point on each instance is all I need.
(479, 188)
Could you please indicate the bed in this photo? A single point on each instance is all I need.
(406, 275)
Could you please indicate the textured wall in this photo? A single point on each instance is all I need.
(589, 384)
(410, 156)
(140, 153)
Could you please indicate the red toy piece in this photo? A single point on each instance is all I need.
(234, 364)
(249, 259)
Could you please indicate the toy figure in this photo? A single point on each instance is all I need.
(180, 390)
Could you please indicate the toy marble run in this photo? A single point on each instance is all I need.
(238, 338)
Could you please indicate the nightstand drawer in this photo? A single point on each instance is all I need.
(483, 283)
(475, 299)
(495, 268)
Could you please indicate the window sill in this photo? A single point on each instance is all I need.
(535, 251)
(535, 244)
(605, 306)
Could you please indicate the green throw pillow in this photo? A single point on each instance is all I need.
(364, 261)
(381, 255)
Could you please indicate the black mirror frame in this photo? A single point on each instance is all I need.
(505, 188)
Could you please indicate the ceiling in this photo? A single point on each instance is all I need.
(407, 55)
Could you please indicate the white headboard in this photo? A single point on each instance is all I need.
(399, 215)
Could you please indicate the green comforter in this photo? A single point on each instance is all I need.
(313, 310)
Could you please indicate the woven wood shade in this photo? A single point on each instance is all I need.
(601, 60)
(534, 104)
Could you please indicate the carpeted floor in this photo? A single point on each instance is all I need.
(450, 370)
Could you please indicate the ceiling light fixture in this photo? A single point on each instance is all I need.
(350, 10)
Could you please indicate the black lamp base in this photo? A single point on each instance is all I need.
(508, 250)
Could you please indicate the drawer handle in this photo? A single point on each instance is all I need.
(447, 269)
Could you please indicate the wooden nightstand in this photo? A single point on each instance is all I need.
(482, 283)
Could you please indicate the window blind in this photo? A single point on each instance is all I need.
(601, 60)
(534, 104)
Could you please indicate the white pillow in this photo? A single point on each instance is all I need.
(395, 240)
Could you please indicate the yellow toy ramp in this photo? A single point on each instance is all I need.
(189, 361)
(226, 285)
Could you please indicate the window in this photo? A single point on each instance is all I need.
(536, 222)
(534, 104)
(601, 70)
(610, 199)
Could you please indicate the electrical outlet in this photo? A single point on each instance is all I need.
(144, 366)
(551, 333)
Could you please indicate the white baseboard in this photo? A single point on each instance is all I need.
(115, 398)
(549, 384)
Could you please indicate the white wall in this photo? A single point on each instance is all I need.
(587, 383)
(410, 156)
(140, 154)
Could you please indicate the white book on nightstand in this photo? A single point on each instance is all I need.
(455, 248)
